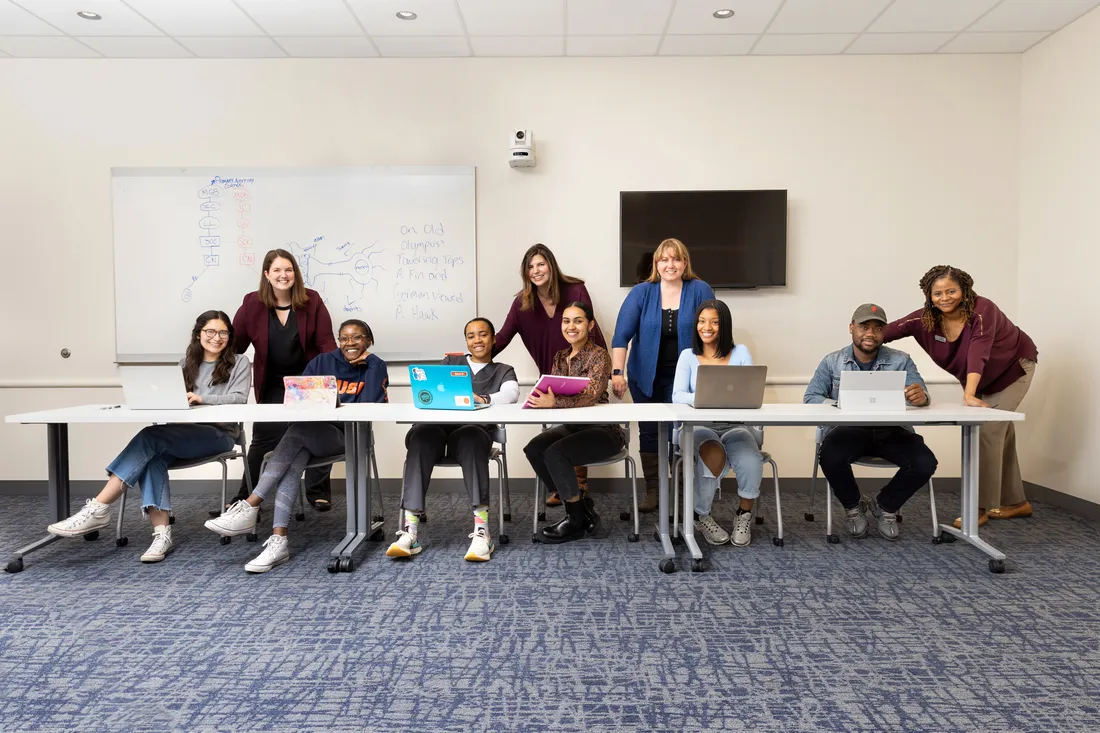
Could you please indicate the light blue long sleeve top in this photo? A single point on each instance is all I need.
(687, 373)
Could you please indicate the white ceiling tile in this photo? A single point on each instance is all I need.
(302, 17)
(14, 21)
(518, 45)
(696, 17)
(233, 48)
(422, 47)
(118, 19)
(433, 17)
(328, 47)
(928, 16)
(803, 44)
(617, 17)
(137, 47)
(197, 18)
(818, 16)
(47, 47)
(510, 18)
(993, 42)
(1033, 15)
(611, 45)
(900, 42)
(708, 45)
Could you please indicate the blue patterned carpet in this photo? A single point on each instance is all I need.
(859, 637)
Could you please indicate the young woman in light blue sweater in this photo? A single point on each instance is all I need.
(719, 447)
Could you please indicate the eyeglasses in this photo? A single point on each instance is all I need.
(211, 333)
(351, 339)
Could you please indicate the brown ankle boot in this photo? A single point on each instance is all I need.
(651, 471)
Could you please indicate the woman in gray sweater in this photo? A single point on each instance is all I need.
(214, 375)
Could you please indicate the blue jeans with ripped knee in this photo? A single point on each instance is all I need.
(742, 456)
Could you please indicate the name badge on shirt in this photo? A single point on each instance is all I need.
(941, 339)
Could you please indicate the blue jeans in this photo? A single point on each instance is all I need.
(742, 455)
(144, 462)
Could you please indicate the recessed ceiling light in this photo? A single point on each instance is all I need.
(723, 13)
(406, 15)
(89, 15)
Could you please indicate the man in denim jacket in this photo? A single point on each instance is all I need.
(844, 444)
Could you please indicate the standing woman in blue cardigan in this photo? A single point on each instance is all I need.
(658, 316)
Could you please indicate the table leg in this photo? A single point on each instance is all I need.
(668, 554)
(337, 558)
(969, 501)
(687, 450)
(57, 437)
(362, 494)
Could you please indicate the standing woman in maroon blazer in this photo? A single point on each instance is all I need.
(288, 325)
(994, 361)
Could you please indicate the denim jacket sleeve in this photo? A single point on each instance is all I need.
(820, 388)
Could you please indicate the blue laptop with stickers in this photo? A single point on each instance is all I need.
(443, 387)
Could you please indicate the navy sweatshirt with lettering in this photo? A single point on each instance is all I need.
(366, 382)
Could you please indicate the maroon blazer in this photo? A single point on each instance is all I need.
(251, 323)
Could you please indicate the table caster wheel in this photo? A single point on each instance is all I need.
(997, 566)
(809, 516)
(507, 517)
(699, 565)
(948, 538)
(632, 537)
(92, 536)
(346, 565)
(624, 516)
(833, 539)
(15, 565)
(251, 537)
(505, 539)
(777, 541)
(122, 542)
(334, 565)
(225, 540)
(171, 519)
(542, 516)
(377, 535)
(300, 517)
(668, 565)
(759, 520)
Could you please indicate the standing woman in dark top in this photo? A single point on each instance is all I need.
(658, 316)
(994, 361)
(289, 325)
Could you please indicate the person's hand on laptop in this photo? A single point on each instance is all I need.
(481, 400)
(193, 399)
(915, 395)
(541, 399)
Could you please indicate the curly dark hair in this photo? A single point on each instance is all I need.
(932, 314)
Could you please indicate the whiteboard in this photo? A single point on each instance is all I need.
(393, 246)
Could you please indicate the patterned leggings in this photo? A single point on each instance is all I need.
(301, 444)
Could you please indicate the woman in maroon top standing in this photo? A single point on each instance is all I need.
(994, 360)
(535, 316)
(288, 324)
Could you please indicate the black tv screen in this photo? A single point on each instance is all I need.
(737, 239)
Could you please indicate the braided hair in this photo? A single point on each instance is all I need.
(932, 314)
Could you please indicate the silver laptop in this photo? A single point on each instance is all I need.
(730, 387)
(154, 387)
(872, 391)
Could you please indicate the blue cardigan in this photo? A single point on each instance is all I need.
(640, 320)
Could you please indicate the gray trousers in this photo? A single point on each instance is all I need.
(301, 443)
(428, 444)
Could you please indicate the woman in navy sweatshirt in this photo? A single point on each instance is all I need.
(361, 377)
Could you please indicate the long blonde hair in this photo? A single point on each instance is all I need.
(679, 251)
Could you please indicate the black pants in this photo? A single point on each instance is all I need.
(662, 392)
(843, 445)
(555, 453)
(470, 445)
(265, 436)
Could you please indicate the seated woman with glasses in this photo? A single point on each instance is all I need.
(214, 375)
(719, 446)
(555, 453)
(361, 377)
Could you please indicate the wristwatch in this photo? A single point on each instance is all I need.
(616, 372)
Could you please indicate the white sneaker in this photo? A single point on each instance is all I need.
(712, 533)
(240, 518)
(482, 546)
(93, 516)
(276, 552)
(742, 528)
(162, 544)
(405, 546)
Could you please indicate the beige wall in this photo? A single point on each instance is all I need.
(892, 164)
(1059, 301)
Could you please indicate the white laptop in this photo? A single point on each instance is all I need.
(154, 387)
(871, 391)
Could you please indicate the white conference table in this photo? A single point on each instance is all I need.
(969, 419)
